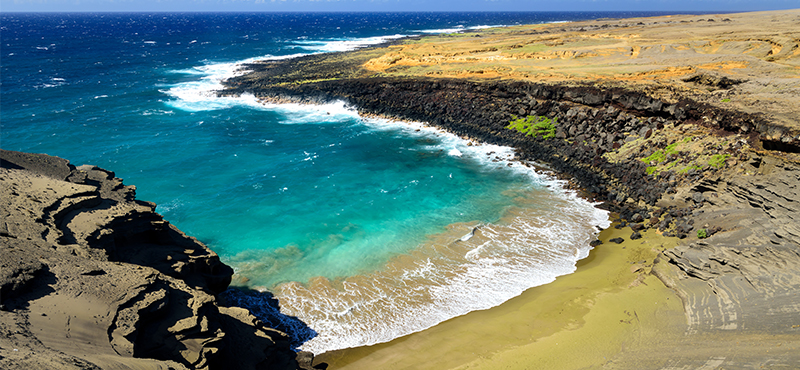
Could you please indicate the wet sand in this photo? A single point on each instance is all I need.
(610, 306)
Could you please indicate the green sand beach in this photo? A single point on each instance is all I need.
(610, 306)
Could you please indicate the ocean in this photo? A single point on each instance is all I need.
(365, 229)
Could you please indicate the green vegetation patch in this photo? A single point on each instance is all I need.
(690, 167)
(718, 160)
(661, 155)
(534, 126)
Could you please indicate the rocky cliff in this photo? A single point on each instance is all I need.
(593, 125)
(92, 278)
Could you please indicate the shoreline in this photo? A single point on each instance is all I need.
(448, 242)
(696, 147)
(686, 145)
(595, 311)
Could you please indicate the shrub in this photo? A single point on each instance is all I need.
(534, 126)
(661, 155)
(702, 234)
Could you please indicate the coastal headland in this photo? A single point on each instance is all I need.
(92, 278)
(686, 127)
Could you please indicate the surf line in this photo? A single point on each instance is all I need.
(441, 280)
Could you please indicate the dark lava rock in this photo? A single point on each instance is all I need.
(636, 236)
(637, 226)
(684, 228)
(617, 240)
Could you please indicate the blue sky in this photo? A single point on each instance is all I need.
(392, 5)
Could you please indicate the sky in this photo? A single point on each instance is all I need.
(389, 5)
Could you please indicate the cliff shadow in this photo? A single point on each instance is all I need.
(19, 293)
(266, 308)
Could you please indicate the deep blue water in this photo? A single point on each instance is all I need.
(351, 222)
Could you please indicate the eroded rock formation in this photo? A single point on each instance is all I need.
(90, 277)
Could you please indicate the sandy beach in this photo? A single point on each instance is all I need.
(610, 308)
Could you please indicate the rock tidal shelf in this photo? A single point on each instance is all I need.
(684, 126)
(91, 278)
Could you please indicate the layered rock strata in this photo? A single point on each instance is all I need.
(92, 278)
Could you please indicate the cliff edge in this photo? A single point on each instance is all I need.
(92, 278)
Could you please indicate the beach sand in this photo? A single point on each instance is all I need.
(610, 306)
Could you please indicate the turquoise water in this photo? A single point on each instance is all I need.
(310, 194)
(365, 229)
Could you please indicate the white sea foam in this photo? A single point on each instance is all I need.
(52, 82)
(448, 277)
(475, 268)
(201, 94)
(484, 154)
(327, 46)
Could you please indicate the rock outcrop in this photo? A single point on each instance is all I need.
(747, 276)
(92, 278)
